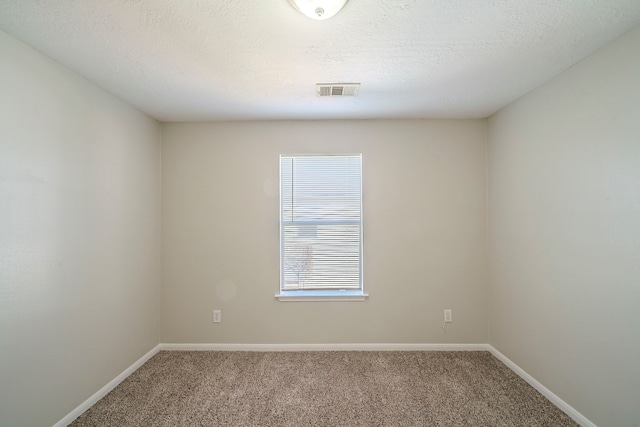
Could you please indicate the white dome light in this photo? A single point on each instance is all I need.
(318, 9)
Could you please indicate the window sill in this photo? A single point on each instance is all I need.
(322, 296)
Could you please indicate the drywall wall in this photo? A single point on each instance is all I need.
(564, 210)
(424, 196)
(79, 237)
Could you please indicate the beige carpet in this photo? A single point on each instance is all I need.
(324, 389)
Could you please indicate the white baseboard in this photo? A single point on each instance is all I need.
(561, 404)
(325, 347)
(564, 406)
(106, 389)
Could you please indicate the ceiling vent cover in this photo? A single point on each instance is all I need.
(337, 89)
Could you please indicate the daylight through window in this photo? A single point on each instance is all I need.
(321, 223)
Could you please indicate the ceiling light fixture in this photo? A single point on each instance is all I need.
(318, 9)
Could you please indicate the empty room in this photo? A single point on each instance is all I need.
(319, 212)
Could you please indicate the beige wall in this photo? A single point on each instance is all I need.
(424, 218)
(564, 181)
(79, 237)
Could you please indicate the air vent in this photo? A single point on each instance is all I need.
(337, 89)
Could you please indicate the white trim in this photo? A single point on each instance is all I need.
(324, 347)
(561, 404)
(321, 296)
(71, 416)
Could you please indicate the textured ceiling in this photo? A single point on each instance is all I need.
(191, 60)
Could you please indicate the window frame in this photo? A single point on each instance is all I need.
(320, 294)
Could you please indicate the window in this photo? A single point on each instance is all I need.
(321, 227)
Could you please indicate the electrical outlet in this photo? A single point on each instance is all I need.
(217, 316)
(448, 316)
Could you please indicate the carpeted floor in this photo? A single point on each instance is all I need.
(323, 389)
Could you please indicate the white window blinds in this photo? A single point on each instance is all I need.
(321, 222)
